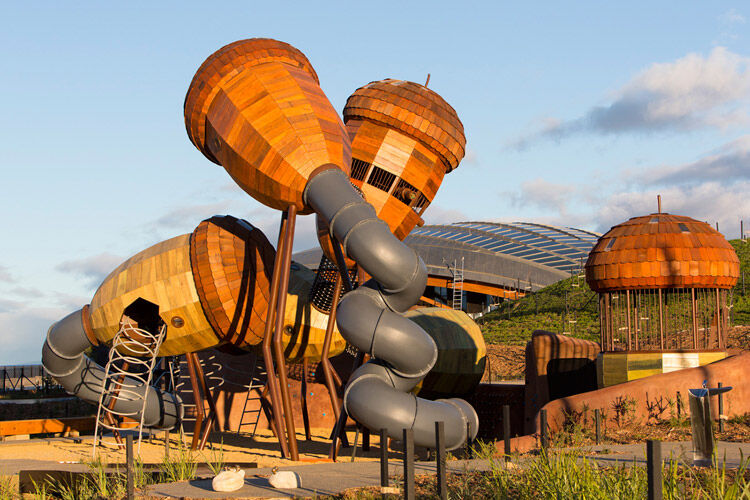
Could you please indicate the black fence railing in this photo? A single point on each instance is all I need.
(25, 378)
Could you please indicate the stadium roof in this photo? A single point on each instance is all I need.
(510, 256)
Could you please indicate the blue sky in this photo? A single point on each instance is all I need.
(575, 114)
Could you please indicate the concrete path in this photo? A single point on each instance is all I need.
(730, 453)
(316, 479)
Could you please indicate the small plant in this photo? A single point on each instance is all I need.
(181, 468)
(215, 460)
(656, 408)
(624, 408)
(7, 491)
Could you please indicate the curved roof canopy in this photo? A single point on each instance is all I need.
(503, 254)
(662, 251)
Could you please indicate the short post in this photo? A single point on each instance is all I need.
(365, 439)
(166, 444)
(506, 431)
(598, 425)
(679, 406)
(440, 459)
(653, 458)
(129, 466)
(408, 464)
(543, 434)
(354, 448)
(721, 409)
(469, 442)
(383, 458)
(701, 426)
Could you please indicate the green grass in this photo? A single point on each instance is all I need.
(570, 306)
(570, 474)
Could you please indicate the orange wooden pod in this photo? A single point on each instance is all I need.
(405, 138)
(255, 107)
(232, 263)
(662, 251)
(161, 275)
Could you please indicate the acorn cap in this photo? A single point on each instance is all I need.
(661, 251)
(415, 111)
(224, 64)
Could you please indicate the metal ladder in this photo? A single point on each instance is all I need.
(260, 369)
(458, 284)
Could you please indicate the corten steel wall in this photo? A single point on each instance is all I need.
(732, 371)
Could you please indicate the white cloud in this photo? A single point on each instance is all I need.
(6, 276)
(92, 269)
(726, 165)
(22, 333)
(692, 92)
(732, 17)
(543, 194)
(436, 214)
(713, 188)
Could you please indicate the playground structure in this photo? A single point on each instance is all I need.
(255, 108)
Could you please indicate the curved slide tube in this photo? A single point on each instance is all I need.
(370, 318)
(63, 358)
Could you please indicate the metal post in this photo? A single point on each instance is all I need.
(679, 406)
(129, 466)
(627, 296)
(166, 445)
(365, 439)
(469, 442)
(303, 389)
(383, 458)
(598, 424)
(695, 318)
(721, 409)
(440, 460)
(356, 440)
(408, 464)
(271, 381)
(544, 437)
(506, 431)
(661, 320)
(653, 457)
(278, 349)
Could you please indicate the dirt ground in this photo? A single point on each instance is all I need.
(504, 362)
(262, 449)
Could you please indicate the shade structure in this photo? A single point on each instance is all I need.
(661, 251)
(405, 137)
(662, 281)
(255, 107)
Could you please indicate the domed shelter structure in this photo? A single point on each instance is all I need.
(662, 281)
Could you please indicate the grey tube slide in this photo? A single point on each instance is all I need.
(63, 358)
(370, 318)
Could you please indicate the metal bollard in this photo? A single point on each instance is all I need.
(408, 464)
(543, 431)
(440, 459)
(129, 466)
(383, 458)
(654, 464)
(598, 425)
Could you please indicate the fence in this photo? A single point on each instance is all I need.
(24, 378)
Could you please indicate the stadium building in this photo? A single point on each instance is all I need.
(476, 265)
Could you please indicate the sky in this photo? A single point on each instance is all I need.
(575, 113)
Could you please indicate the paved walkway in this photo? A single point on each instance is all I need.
(333, 478)
(316, 479)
